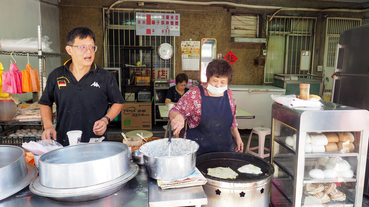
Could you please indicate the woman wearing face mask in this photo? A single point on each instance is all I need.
(210, 110)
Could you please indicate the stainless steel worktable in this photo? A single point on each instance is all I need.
(134, 194)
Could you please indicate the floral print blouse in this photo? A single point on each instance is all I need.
(189, 106)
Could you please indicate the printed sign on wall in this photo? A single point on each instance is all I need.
(157, 24)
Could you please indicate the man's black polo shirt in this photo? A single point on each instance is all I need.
(80, 104)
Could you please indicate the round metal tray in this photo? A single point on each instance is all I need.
(31, 174)
(84, 193)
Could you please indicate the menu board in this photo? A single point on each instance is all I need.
(157, 24)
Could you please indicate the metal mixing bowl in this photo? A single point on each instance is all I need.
(137, 157)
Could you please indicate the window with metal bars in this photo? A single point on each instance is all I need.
(287, 37)
(120, 30)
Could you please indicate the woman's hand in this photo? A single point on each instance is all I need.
(100, 126)
(237, 139)
(177, 122)
(47, 132)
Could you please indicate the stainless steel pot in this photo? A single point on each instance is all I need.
(246, 189)
(15, 173)
(137, 157)
(169, 161)
(84, 165)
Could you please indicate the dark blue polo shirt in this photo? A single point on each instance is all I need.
(80, 104)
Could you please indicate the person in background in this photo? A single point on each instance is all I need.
(210, 110)
(82, 92)
(176, 92)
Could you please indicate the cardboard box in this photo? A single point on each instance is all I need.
(136, 115)
(143, 80)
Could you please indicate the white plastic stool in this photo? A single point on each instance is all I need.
(261, 132)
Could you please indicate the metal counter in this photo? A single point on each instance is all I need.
(133, 194)
(139, 192)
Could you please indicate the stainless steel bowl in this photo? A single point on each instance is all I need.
(170, 162)
(84, 165)
(15, 173)
(137, 157)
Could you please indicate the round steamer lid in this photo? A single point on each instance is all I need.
(133, 134)
(234, 160)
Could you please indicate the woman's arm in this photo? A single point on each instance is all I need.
(237, 139)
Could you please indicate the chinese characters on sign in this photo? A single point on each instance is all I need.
(157, 24)
(230, 57)
(190, 52)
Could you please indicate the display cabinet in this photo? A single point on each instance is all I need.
(291, 82)
(319, 155)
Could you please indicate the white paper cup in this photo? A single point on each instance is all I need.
(74, 137)
(170, 106)
(36, 158)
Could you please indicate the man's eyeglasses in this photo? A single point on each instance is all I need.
(85, 48)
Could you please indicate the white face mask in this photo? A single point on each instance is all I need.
(215, 90)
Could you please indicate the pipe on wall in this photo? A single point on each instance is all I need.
(220, 3)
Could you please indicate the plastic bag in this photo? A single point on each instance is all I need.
(2, 95)
(41, 147)
(12, 80)
(25, 45)
(34, 78)
(26, 81)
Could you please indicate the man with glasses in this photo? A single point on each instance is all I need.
(81, 91)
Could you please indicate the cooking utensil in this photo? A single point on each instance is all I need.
(141, 137)
(160, 165)
(84, 165)
(246, 188)
(85, 193)
(169, 133)
(124, 136)
(137, 157)
(15, 172)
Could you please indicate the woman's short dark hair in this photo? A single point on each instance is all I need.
(219, 68)
(181, 77)
(81, 33)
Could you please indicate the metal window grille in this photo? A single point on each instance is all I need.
(334, 27)
(120, 30)
(287, 37)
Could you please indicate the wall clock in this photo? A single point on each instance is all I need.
(165, 51)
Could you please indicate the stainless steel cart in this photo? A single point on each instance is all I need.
(291, 130)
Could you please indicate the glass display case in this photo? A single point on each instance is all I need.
(319, 155)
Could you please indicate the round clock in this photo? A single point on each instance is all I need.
(165, 51)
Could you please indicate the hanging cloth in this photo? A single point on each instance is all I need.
(12, 80)
(26, 81)
(34, 78)
(2, 95)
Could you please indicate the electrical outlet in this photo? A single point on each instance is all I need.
(264, 52)
(319, 68)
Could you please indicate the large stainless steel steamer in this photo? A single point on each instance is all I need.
(84, 172)
(245, 190)
(15, 173)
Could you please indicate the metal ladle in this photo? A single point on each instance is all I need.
(169, 132)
